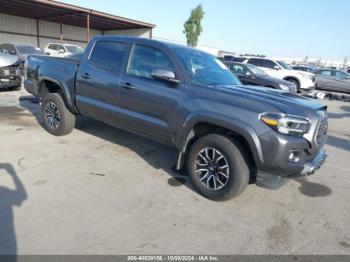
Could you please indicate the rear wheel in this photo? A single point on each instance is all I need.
(217, 167)
(58, 120)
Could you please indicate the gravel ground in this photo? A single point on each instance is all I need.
(100, 190)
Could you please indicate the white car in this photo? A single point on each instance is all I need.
(62, 50)
(279, 69)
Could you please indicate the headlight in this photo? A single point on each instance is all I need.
(284, 87)
(285, 124)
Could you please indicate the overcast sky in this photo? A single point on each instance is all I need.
(293, 28)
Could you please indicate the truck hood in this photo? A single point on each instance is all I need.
(284, 101)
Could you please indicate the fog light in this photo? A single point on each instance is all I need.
(294, 156)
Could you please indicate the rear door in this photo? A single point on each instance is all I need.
(149, 104)
(325, 79)
(98, 81)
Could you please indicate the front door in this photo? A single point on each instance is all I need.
(150, 104)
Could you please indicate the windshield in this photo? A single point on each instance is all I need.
(284, 65)
(205, 69)
(74, 49)
(256, 70)
(29, 50)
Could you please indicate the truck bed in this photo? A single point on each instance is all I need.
(59, 70)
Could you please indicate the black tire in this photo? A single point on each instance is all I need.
(295, 82)
(65, 118)
(238, 170)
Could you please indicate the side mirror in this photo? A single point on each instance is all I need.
(276, 67)
(165, 75)
(48, 53)
(60, 51)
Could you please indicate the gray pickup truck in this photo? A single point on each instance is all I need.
(226, 134)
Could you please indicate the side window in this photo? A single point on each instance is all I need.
(340, 75)
(52, 47)
(145, 59)
(238, 70)
(326, 73)
(60, 49)
(256, 62)
(108, 53)
(269, 64)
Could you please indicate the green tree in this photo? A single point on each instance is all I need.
(193, 27)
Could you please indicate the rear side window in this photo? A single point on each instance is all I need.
(145, 59)
(108, 54)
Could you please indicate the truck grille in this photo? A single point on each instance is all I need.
(321, 136)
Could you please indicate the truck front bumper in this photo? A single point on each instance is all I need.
(311, 167)
(272, 181)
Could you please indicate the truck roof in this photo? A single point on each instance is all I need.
(141, 40)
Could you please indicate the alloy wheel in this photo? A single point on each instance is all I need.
(212, 168)
(52, 115)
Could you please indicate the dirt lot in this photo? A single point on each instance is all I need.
(100, 190)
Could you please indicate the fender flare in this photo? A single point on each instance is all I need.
(235, 125)
(65, 92)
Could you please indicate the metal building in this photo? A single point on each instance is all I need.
(39, 22)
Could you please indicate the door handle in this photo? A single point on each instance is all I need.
(86, 76)
(128, 86)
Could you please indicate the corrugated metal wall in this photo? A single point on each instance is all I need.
(50, 32)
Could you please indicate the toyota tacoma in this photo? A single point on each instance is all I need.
(226, 134)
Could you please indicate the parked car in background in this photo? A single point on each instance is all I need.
(304, 68)
(62, 49)
(225, 133)
(22, 51)
(333, 80)
(76, 57)
(302, 80)
(230, 58)
(10, 76)
(252, 75)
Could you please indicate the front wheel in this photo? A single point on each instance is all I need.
(217, 167)
(58, 120)
(295, 82)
